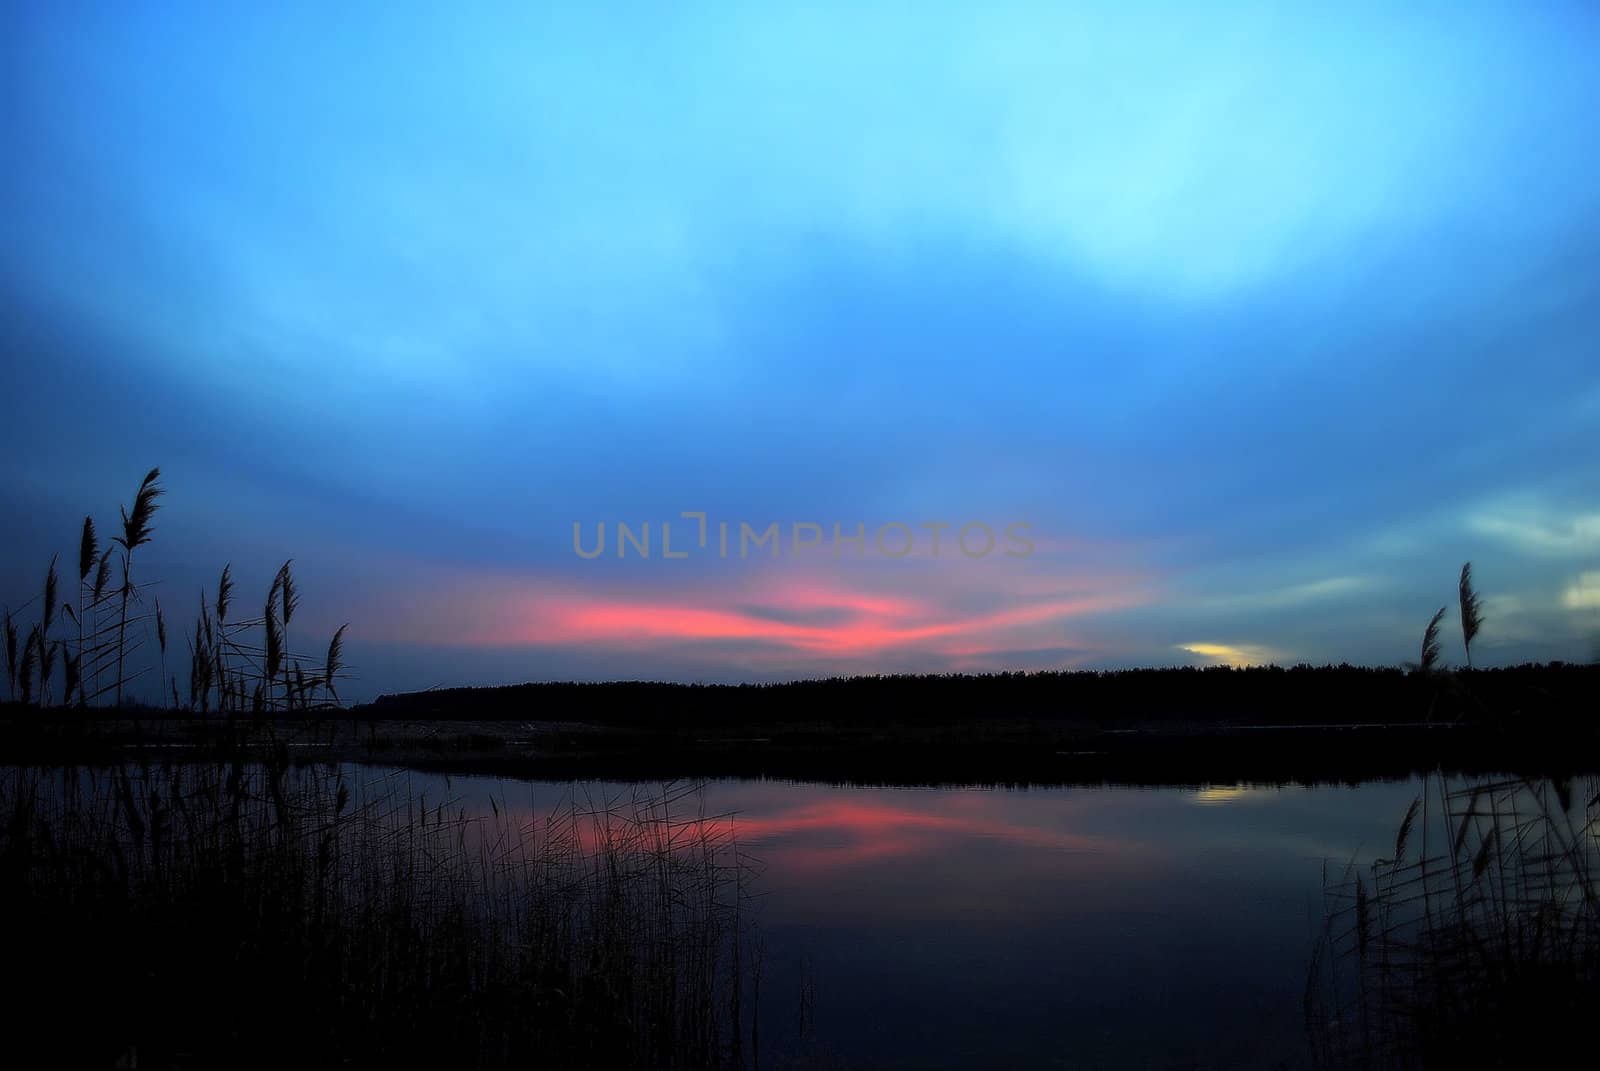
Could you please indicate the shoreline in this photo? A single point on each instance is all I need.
(1036, 750)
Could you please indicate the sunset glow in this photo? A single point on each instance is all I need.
(1185, 297)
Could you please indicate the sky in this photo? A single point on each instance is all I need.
(1262, 325)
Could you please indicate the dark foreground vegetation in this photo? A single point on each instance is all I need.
(224, 915)
(1475, 942)
(190, 879)
(95, 678)
(104, 644)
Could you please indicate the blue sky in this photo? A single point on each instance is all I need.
(1264, 323)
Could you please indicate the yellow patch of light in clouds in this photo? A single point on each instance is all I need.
(1230, 654)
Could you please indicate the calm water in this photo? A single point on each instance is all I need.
(1065, 927)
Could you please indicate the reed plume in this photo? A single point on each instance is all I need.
(47, 651)
(220, 641)
(136, 527)
(273, 660)
(289, 601)
(102, 576)
(136, 530)
(52, 584)
(335, 661)
(1430, 643)
(87, 546)
(1471, 611)
(291, 597)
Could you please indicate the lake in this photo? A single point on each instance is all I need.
(964, 927)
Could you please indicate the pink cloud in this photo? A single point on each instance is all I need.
(957, 613)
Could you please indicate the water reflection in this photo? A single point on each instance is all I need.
(1072, 927)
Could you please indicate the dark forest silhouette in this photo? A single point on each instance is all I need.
(83, 655)
(1530, 694)
(206, 893)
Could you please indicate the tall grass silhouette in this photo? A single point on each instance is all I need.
(1471, 624)
(136, 532)
(1430, 644)
(235, 913)
(1471, 612)
(241, 911)
(235, 666)
(1479, 948)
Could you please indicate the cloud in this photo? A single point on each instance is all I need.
(1583, 593)
(857, 619)
(1242, 654)
(1541, 533)
(1292, 595)
(454, 283)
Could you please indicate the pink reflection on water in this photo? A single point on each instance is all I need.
(843, 832)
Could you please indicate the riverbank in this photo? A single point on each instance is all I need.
(1013, 750)
(1134, 727)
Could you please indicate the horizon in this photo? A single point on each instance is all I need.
(1399, 667)
(700, 535)
(1263, 327)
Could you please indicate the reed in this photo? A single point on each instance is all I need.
(1485, 952)
(30, 662)
(1471, 611)
(1430, 644)
(289, 601)
(219, 636)
(229, 671)
(11, 657)
(47, 620)
(88, 550)
(136, 531)
(99, 594)
(238, 914)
